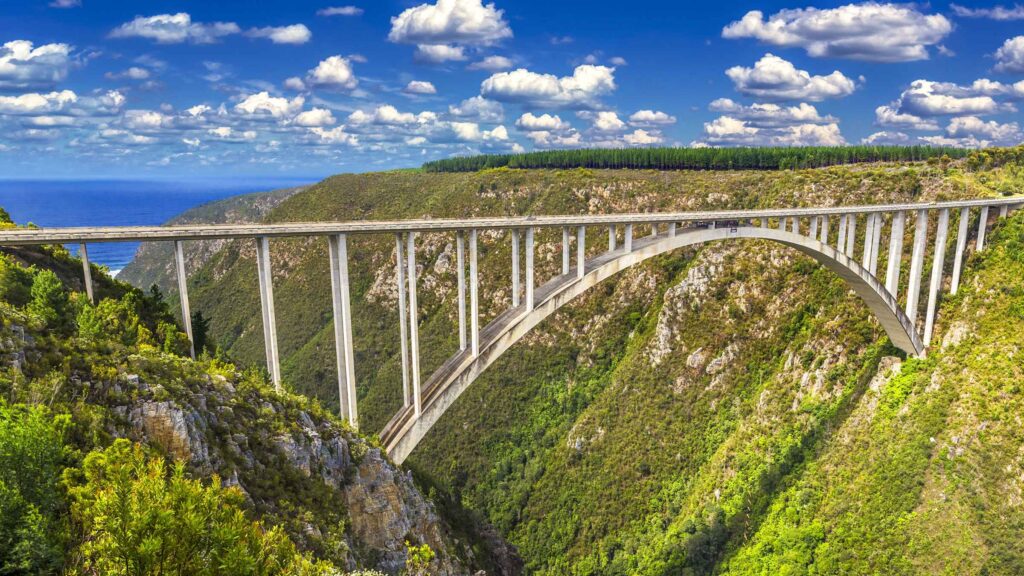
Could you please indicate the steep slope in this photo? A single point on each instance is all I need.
(659, 425)
(333, 492)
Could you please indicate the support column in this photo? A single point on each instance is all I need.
(961, 244)
(460, 251)
(265, 279)
(841, 240)
(611, 237)
(795, 222)
(869, 241)
(916, 263)
(672, 230)
(83, 254)
(581, 251)
(529, 268)
(414, 328)
(782, 223)
(851, 234)
(186, 313)
(982, 224)
(628, 241)
(937, 263)
(892, 272)
(764, 222)
(876, 242)
(515, 267)
(565, 250)
(824, 229)
(403, 318)
(338, 245)
(1003, 211)
(654, 230)
(474, 295)
(814, 228)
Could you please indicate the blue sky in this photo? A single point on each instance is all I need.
(127, 89)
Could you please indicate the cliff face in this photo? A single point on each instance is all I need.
(333, 491)
(731, 408)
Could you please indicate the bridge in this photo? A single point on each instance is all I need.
(846, 240)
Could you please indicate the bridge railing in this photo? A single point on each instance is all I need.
(837, 227)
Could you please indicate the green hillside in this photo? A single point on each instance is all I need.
(728, 409)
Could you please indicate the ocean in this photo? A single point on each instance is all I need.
(120, 203)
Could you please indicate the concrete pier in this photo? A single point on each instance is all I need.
(266, 283)
(938, 260)
(414, 327)
(186, 313)
(917, 264)
(403, 319)
(961, 245)
(338, 247)
(83, 254)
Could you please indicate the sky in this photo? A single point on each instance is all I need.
(104, 88)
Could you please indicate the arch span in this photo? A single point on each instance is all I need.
(404, 432)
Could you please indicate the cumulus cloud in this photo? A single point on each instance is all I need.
(146, 120)
(471, 132)
(263, 104)
(868, 31)
(388, 115)
(773, 78)
(994, 13)
(640, 137)
(229, 134)
(651, 118)
(174, 29)
(886, 138)
(765, 124)
(1007, 134)
(419, 87)
(294, 34)
(608, 121)
(771, 114)
(24, 66)
(492, 64)
(336, 135)
(1010, 56)
(889, 116)
(478, 108)
(32, 103)
(439, 53)
(581, 90)
(334, 72)
(314, 118)
(547, 122)
(65, 3)
(340, 11)
(925, 99)
(132, 73)
(467, 22)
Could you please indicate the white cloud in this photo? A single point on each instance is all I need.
(65, 3)
(470, 132)
(197, 110)
(439, 53)
(868, 31)
(925, 98)
(23, 66)
(263, 104)
(773, 78)
(478, 108)
(468, 22)
(545, 122)
(294, 34)
(332, 72)
(335, 135)
(888, 116)
(388, 115)
(994, 13)
(885, 138)
(146, 120)
(315, 117)
(420, 87)
(607, 121)
(972, 126)
(771, 114)
(769, 125)
(492, 64)
(545, 139)
(191, 142)
(641, 137)
(651, 118)
(970, 142)
(126, 138)
(295, 83)
(618, 61)
(174, 29)
(34, 104)
(581, 90)
(1010, 56)
(229, 134)
(133, 73)
(340, 11)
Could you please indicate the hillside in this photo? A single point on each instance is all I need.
(269, 476)
(729, 409)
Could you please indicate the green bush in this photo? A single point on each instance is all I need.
(49, 301)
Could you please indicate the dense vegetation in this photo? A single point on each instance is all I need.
(696, 158)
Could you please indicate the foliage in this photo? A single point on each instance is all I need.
(49, 301)
(695, 158)
(138, 518)
(32, 452)
(418, 559)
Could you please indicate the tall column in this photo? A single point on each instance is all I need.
(460, 251)
(937, 262)
(782, 223)
(851, 233)
(186, 313)
(529, 268)
(824, 229)
(266, 282)
(982, 224)
(628, 241)
(876, 242)
(565, 250)
(672, 229)
(764, 222)
(515, 267)
(611, 237)
(961, 244)
(338, 245)
(892, 272)
(414, 328)
(795, 223)
(916, 263)
(403, 318)
(474, 295)
(1003, 211)
(83, 254)
(841, 240)
(581, 250)
(869, 230)
(814, 228)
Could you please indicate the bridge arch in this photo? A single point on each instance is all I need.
(404, 432)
